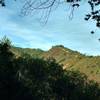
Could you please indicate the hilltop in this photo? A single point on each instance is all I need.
(71, 60)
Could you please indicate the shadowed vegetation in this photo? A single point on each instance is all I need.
(70, 60)
(29, 78)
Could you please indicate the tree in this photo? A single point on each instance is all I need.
(45, 7)
(2, 2)
(28, 78)
(10, 87)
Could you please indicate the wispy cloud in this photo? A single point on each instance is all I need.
(27, 32)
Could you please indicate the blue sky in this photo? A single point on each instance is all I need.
(28, 32)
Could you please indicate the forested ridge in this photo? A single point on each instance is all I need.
(70, 60)
(29, 78)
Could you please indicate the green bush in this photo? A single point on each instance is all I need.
(27, 78)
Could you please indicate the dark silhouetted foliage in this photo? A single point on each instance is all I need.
(46, 6)
(27, 78)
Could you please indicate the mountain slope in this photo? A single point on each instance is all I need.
(32, 52)
(71, 60)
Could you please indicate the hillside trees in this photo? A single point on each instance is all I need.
(47, 80)
(10, 87)
(28, 78)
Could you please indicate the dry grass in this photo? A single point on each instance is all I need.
(71, 60)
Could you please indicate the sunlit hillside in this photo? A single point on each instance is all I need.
(71, 60)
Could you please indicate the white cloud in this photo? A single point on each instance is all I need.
(27, 32)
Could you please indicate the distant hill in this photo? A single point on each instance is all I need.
(71, 60)
(32, 52)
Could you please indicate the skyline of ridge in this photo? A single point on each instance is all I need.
(27, 32)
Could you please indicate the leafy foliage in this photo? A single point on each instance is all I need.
(27, 78)
(69, 59)
(95, 13)
(2, 3)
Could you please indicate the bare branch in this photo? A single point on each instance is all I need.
(43, 7)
